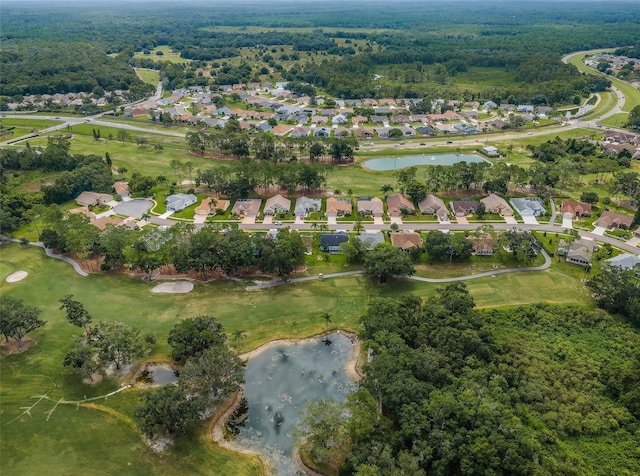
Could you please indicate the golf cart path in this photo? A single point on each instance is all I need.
(542, 267)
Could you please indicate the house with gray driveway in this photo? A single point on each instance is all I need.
(370, 206)
(432, 205)
(247, 207)
(528, 206)
(306, 205)
(277, 204)
(180, 201)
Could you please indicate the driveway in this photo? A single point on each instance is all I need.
(247, 220)
(199, 219)
(267, 220)
(530, 220)
(378, 221)
(397, 220)
(599, 230)
(635, 241)
(133, 208)
(332, 220)
(166, 214)
(510, 220)
(567, 222)
(462, 220)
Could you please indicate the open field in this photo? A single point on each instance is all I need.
(167, 55)
(149, 76)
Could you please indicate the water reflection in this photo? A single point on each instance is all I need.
(279, 381)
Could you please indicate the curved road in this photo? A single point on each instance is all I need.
(50, 254)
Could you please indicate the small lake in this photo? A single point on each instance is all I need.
(279, 381)
(396, 163)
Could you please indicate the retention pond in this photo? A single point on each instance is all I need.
(395, 163)
(279, 381)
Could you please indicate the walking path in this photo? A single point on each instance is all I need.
(542, 267)
(50, 254)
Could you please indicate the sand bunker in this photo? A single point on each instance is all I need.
(17, 276)
(175, 287)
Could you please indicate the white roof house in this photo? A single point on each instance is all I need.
(528, 206)
(180, 201)
(305, 205)
(625, 260)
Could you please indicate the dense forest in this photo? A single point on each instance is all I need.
(430, 44)
(452, 390)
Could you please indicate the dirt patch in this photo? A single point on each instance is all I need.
(176, 287)
(12, 348)
(17, 276)
(93, 380)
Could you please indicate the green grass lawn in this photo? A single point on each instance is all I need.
(167, 55)
(149, 76)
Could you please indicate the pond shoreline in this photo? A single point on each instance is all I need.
(228, 407)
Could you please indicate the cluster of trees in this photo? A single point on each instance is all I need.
(452, 390)
(183, 247)
(248, 176)
(37, 67)
(617, 290)
(75, 174)
(265, 146)
(17, 319)
(210, 374)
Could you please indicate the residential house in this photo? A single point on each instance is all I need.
(338, 206)
(575, 209)
(277, 204)
(331, 241)
(105, 221)
(382, 132)
(462, 208)
(579, 252)
(371, 239)
(281, 130)
(322, 132)
(356, 120)
(121, 188)
(339, 119)
(528, 206)
(614, 220)
(483, 246)
(465, 129)
(180, 201)
(208, 206)
(306, 205)
(399, 205)
(489, 105)
(490, 151)
(93, 198)
(364, 132)
(379, 119)
(406, 240)
(426, 130)
(625, 261)
(247, 207)
(300, 132)
(370, 206)
(495, 204)
(525, 108)
(432, 205)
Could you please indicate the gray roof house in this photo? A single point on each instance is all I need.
(306, 205)
(331, 241)
(277, 204)
(528, 206)
(624, 261)
(432, 205)
(180, 201)
(371, 239)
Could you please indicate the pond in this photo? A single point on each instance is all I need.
(157, 374)
(395, 163)
(279, 381)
